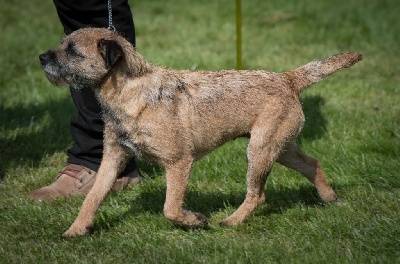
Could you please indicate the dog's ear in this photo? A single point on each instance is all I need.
(111, 52)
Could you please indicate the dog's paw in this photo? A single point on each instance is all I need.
(74, 232)
(329, 197)
(230, 221)
(200, 220)
(190, 220)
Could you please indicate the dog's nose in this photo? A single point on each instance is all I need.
(44, 58)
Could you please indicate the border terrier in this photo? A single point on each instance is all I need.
(174, 118)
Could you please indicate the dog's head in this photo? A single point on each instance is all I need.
(87, 56)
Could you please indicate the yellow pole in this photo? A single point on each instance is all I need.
(238, 35)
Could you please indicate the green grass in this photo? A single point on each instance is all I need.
(352, 127)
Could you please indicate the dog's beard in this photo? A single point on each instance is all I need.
(56, 80)
(55, 75)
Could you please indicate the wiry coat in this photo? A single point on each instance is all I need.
(175, 117)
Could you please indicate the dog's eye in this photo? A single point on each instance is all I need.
(72, 51)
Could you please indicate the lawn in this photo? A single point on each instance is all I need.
(352, 127)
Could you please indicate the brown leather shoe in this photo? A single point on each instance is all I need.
(128, 180)
(78, 180)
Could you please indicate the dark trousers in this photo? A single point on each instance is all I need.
(87, 128)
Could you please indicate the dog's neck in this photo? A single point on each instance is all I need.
(133, 62)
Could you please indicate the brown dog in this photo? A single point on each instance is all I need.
(176, 117)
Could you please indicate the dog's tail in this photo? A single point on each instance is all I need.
(315, 71)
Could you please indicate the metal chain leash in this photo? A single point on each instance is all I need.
(110, 23)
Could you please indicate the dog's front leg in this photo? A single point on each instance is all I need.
(177, 175)
(114, 159)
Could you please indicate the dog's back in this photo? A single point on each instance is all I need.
(224, 105)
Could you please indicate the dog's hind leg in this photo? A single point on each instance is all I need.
(293, 157)
(268, 137)
(260, 162)
(177, 175)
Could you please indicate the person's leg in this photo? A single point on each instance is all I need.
(84, 157)
(87, 127)
(76, 14)
(86, 130)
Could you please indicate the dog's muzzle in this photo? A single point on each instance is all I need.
(54, 73)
